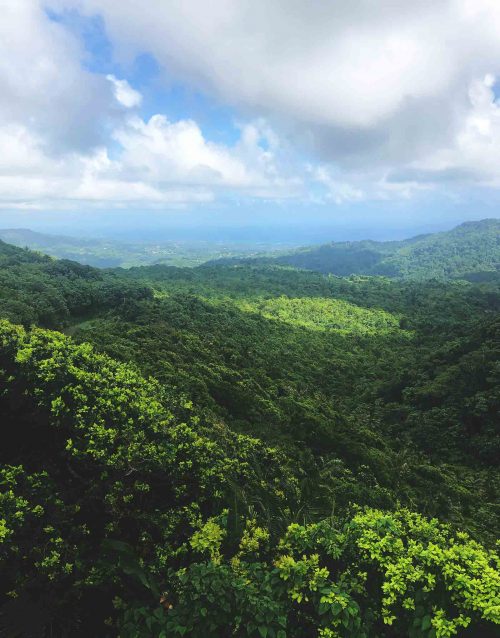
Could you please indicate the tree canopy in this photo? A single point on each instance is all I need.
(246, 450)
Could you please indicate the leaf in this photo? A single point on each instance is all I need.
(263, 631)
(426, 622)
(336, 608)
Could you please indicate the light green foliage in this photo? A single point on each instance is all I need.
(91, 446)
(378, 574)
(325, 314)
(441, 578)
(208, 540)
(253, 538)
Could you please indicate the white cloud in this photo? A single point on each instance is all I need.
(28, 178)
(337, 190)
(472, 156)
(124, 93)
(360, 82)
(158, 162)
(384, 99)
(59, 122)
(43, 84)
(177, 152)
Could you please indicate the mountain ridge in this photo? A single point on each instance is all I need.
(471, 247)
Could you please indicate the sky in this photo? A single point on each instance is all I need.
(300, 117)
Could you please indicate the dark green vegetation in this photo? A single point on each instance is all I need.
(472, 248)
(246, 450)
(112, 253)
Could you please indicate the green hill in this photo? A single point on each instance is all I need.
(472, 247)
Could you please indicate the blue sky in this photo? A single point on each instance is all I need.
(312, 118)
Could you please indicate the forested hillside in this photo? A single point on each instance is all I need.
(248, 450)
(472, 247)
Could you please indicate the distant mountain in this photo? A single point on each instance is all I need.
(27, 237)
(471, 250)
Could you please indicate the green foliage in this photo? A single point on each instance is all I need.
(35, 289)
(95, 452)
(324, 314)
(376, 575)
(341, 372)
(227, 450)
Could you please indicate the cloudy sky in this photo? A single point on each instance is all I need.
(276, 109)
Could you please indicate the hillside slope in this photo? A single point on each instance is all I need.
(472, 247)
(301, 360)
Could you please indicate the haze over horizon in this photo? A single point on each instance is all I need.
(200, 229)
(295, 122)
